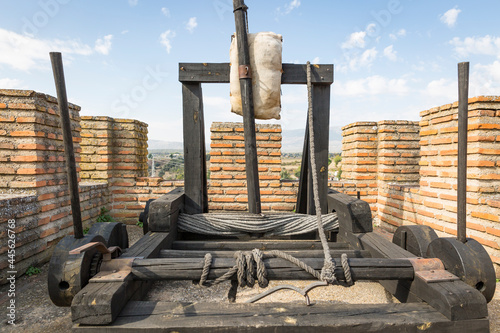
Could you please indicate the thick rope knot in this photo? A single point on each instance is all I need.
(328, 271)
(261, 268)
(206, 270)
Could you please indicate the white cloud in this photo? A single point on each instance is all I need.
(399, 33)
(166, 38)
(124, 32)
(289, 7)
(133, 3)
(191, 24)
(103, 46)
(450, 17)
(7, 83)
(485, 79)
(24, 52)
(357, 61)
(356, 39)
(390, 53)
(165, 11)
(445, 88)
(315, 61)
(372, 85)
(487, 45)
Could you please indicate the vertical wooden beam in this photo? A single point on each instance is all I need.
(463, 106)
(301, 206)
(247, 107)
(321, 122)
(69, 153)
(195, 168)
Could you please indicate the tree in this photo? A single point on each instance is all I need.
(297, 173)
(150, 156)
(337, 160)
(285, 174)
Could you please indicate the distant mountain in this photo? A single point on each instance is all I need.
(159, 144)
(293, 140)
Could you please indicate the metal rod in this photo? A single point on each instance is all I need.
(463, 103)
(248, 109)
(62, 99)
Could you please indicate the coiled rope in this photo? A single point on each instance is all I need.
(243, 224)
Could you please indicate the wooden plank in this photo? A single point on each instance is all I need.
(100, 303)
(456, 300)
(69, 153)
(155, 317)
(250, 245)
(354, 215)
(164, 211)
(321, 123)
(296, 254)
(251, 165)
(370, 269)
(195, 169)
(301, 206)
(219, 73)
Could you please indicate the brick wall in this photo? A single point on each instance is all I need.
(426, 193)
(33, 181)
(227, 186)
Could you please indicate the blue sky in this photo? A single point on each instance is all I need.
(393, 58)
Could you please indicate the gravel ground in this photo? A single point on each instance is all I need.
(36, 313)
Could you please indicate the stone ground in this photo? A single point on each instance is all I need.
(36, 313)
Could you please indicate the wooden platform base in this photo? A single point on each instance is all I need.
(283, 317)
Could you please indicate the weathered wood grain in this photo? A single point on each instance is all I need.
(100, 303)
(250, 245)
(219, 73)
(284, 318)
(295, 253)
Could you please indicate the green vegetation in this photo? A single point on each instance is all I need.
(339, 175)
(285, 174)
(33, 271)
(297, 173)
(337, 160)
(86, 230)
(139, 224)
(104, 216)
(174, 167)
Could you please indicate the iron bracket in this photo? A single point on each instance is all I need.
(431, 270)
(107, 253)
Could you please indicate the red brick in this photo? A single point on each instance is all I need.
(486, 216)
(49, 232)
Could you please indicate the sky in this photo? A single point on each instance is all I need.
(392, 58)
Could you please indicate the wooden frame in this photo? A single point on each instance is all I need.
(117, 307)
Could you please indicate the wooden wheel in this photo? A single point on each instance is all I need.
(68, 274)
(414, 238)
(469, 261)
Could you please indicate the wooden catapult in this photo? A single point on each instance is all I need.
(443, 284)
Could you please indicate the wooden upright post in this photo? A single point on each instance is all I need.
(62, 100)
(247, 107)
(463, 104)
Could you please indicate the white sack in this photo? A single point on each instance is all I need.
(265, 62)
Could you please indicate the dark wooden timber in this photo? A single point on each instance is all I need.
(463, 105)
(354, 214)
(164, 211)
(69, 153)
(248, 109)
(100, 303)
(249, 245)
(295, 253)
(219, 73)
(302, 204)
(195, 169)
(455, 300)
(156, 317)
(321, 123)
(371, 269)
